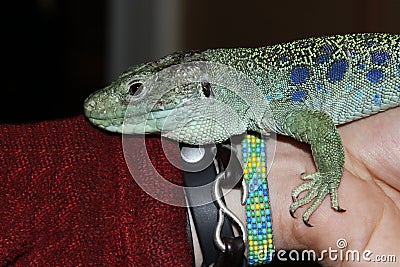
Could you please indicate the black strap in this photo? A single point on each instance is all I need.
(204, 216)
(233, 255)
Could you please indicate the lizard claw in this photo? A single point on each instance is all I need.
(339, 209)
(292, 213)
(318, 185)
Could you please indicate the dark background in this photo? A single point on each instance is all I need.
(57, 52)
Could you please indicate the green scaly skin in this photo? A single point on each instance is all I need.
(304, 89)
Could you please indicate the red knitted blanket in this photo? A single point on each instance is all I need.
(68, 199)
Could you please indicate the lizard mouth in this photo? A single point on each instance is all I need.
(155, 121)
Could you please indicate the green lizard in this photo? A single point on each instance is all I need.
(303, 89)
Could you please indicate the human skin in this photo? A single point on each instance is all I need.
(369, 192)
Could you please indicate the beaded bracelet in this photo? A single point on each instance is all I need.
(259, 224)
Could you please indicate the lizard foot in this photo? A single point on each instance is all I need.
(319, 185)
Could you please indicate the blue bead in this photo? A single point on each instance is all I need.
(249, 226)
(268, 211)
(269, 224)
(253, 220)
(264, 231)
(254, 226)
(268, 217)
(259, 231)
(259, 225)
(299, 74)
(248, 213)
(264, 186)
(263, 219)
(380, 57)
(260, 237)
(263, 225)
(298, 96)
(374, 76)
(248, 220)
(265, 198)
(337, 70)
(248, 202)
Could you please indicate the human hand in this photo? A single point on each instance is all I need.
(369, 192)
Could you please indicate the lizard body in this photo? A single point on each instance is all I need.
(304, 89)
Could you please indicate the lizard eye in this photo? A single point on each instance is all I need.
(206, 86)
(134, 88)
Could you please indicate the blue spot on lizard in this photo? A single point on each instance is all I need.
(323, 59)
(298, 96)
(268, 98)
(337, 70)
(299, 75)
(380, 57)
(349, 87)
(359, 95)
(319, 87)
(328, 48)
(377, 100)
(278, 95)
(370, 44)
(374, 76)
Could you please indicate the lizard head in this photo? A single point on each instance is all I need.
(174, 96)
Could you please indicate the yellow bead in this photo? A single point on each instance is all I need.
(249, 165)
(257, 206)
(263, 169)
(246, 171)
(269, 240)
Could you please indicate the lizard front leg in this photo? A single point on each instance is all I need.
(317, 129)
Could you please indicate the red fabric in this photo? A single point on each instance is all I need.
(67, 198)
